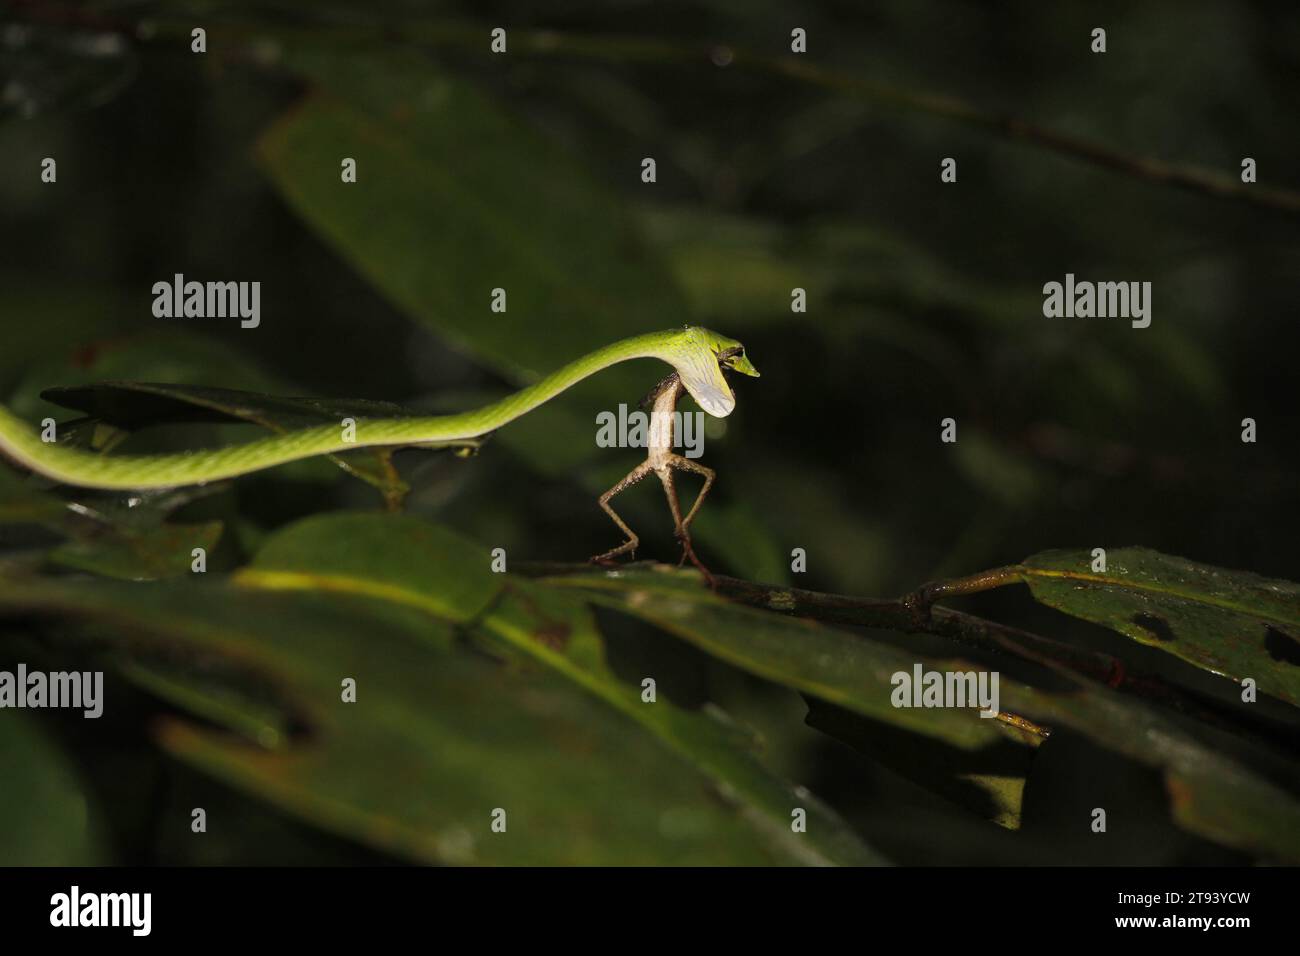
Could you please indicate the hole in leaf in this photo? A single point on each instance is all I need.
(1281, 646)
(1156, 626)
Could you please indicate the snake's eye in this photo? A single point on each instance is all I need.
(735, 359)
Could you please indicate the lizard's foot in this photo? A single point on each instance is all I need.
(688, 551)
(607, 559)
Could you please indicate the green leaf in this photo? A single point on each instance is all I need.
(742, 269)
(163, 551)
(403, 561)
(165, 355)
(850, 671)
(108, 536)
(131, 405)
(1232, 623)
(46, 816)
(588, 772)
(1210, 776)
(990, 781)
(22, 503)
(436, 741)
(455, 198)
(1215, 789)
(392, 558)
(77, 322)
(1000, 474)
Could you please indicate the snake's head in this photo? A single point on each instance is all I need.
(701, 360)
(734, 359)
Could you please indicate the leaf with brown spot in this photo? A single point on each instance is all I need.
(1230, 623)
(1230, 788)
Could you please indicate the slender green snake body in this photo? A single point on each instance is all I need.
(697, 354)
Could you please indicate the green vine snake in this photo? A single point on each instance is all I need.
(697, 355)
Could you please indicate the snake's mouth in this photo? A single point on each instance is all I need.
(713, 392)
(701, 357)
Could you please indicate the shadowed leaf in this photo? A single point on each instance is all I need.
(455, 198)
(437, 739)
(407, 562)
(104, 537)
(1212, 778)
(131, 405)
(440, 734)
(1231, 623)
(45, 813)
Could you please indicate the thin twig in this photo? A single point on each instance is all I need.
(1188, 177)
(913, 614)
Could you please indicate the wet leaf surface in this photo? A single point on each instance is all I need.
(441, 734)
(1232, 623)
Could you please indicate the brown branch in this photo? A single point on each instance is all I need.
(914, 614)
(1187, 177)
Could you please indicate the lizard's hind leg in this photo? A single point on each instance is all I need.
(685, 464)
(632, 477)
(683, 525)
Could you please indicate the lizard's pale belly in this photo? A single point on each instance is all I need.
(662, 433)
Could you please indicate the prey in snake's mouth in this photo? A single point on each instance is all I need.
(663, 462)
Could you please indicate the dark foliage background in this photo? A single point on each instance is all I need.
(924, 302)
